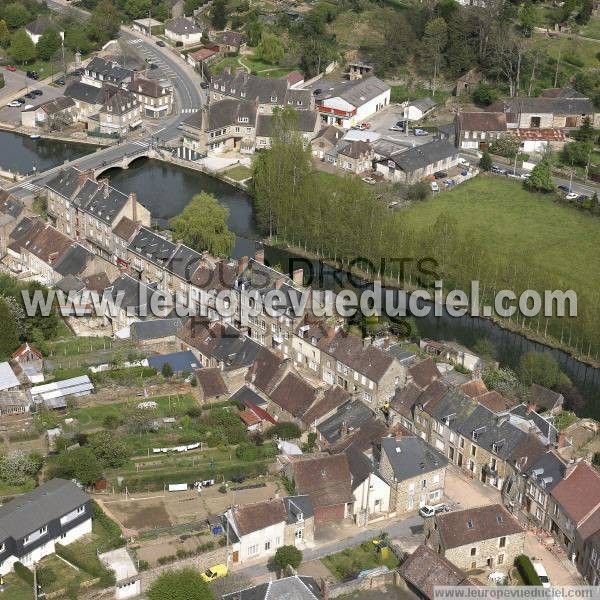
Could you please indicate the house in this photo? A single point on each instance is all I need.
(180, 362)
(555, 108)
(155, 331)
(35, 30)
(11, 209)
(546, 400)
(54, 115)
(424, 570)
(467, 82)
(361, 368)
(147, 26)
(483, 537)
(128, 583)
(327, 481)
(131, 298)
(254, 414)
(53, 396)
(57, 512)
(183, 31)
(295, 79)
(418, 109)
(258, 530)
(306, 123)
(265, 93)
(477, 130)
(414, 471)
(88, 98)
(370, 490)
(100, 71)
(357, 69)
(199, 58)
(26, 353)
(326, 140)
(293, 395)
(413, 164)
(123, 233)
(297, 587)
(232, 42)
(355, 156)
(452, 353)
(539, 140)
(120, 113)
(211, 387)
(347, 103)
(325, 406)
(155, 97)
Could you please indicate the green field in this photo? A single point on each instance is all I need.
(512, 220)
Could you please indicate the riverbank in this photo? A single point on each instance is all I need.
(78, 137)
(401, 286)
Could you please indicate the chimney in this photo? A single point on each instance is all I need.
(343, 430)
(561, 439)
(279, 281)
(531, 407)
(242, 264)
(367, 341)
(259, 256)
(133, 199)
(570, 468)
(298, 276)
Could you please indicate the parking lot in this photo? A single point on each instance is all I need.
(388, 117)
(17, 85)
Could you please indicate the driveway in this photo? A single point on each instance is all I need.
(389, 116)
(463, 492)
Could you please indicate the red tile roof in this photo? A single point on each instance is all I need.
(250, 417)
(326, 479)
(424, 373)
(579, 492)
(254, 517)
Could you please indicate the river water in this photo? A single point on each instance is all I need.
(166, 189)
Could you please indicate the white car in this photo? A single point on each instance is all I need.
(430, 510)
(28, 106)
(571, 196)
(464, 162)
(435, 187)
(369, 180)
(396, 128)
(14, 103)
(538, 567)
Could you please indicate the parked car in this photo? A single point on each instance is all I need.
(539, 568)
(396, 128)
(440, 174)
(430, 510)
(582, 198)
(30, 95)
(564, 188)
(60, 82)
(76, 73)
(214, 573)
(28, 106)
(369, 180)
(359, 127)
(160, 43)
(14, 104)
(572, 196)
(33, 75)
(180, 126)
(11, 68)
(419, 132)
(497, 170)
(464, 162)
(434, 187)
(37, 92)
(204, 85)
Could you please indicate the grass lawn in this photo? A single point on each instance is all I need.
(9, 490)
(512, 219)
(239, 172)
(400, 93)
(228, 61)
(592, 29)
(348, 563)
(17, 590)
(64, 574)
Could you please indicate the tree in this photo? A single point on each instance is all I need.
(108, 449)
(254, 32)
(218, 14)
(434, 43)
(527, 18)
(287, 555)
(49, 43)
(22, 49)
(270, 49)
(167, 370)
(485, 162)
(16, 15)
(104, 22)
(184, 584)
(9, 337)
(79, 464)
(4, 34)
(202, 225)
(137, 8)
(484, 94)
(18, 467)
(540, 179)
(586, 131)
(140, 420)
(397, 40)
(577, 153)
(540, 368)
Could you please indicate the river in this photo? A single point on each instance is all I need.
(166, 189)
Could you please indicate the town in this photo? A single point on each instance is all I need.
(208, 157)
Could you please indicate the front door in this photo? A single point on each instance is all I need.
(460, 459)
(235, 556)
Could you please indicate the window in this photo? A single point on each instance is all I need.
(299, 534)
(502, 542)
(252, 550)
(436, 478)
(423, 483)
(500, 559)
(462, 442)
(267, 546)
(474, 551)
(473, 450)
(411, 487)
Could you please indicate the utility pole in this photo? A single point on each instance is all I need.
(35, 587)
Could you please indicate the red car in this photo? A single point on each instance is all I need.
(10, 68)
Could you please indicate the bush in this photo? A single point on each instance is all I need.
(526, 570)
(114, 531)
(484, 94)
(23, 573)
(23, 436)
(285, 430)
(287, 555)
(143, 565)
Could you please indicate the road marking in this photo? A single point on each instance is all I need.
(32, 187)
(189, 110)
(142, 144)
(135, 41)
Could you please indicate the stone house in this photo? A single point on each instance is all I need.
(120, 113)
(306, 340)
(11, 211)
(258, 530)
(100, 71)
(154, 97)
(328, 401)
(326, 140)
(477, 130)
(232, 42)
(88, 98)
(467, 82)
(361, 368)
(476, 538)
(54, 115)
(211, 386)
(307, 125)
(327, 481)
(355, 156)
(414, 471)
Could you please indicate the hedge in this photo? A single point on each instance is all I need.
(114, 531)
(94, 567)
(24, 573)
(526, 570)
(128, 375)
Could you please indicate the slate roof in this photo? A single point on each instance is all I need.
(548, 471)
(306, 122)
(296, 587)
(219, 276)
(51, 107)
(130, 289)
(211, 382)
(182, 26)
(579, 492)
(566, 92)
(264, 370)
(356, 92)
(154, 329)
(481, 121)
(31, 511)
(543, 397)
(9, 205)
(422, 156)
(70, 283)
(40, 25)
(232, 38)
(355, 148)
(425, 569)
(556, 106)
(424, 104)
(351, 415)
(543, 425)
(332, 398)
(152, 247)
(96, 281)
(462, 527)
(350, 351)
(109, 69)
(83, 92)
(410, 456)
(120, 103)
(247, 395)
(74, 261)
(326, 479)
(360, 465)
(181, 362)
(294, 394)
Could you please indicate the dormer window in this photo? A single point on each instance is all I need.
(300, 517)
(243, 94)
(243, 119)
(273, 98)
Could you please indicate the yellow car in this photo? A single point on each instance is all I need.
(214, 573)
